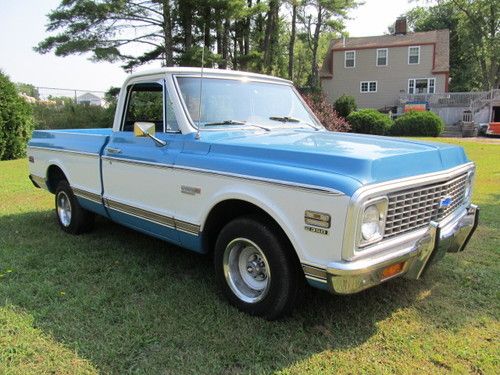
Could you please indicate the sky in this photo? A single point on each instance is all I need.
(22, 26)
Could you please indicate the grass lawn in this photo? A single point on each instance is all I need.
(115, 301)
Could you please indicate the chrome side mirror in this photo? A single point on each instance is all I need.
(147, 129)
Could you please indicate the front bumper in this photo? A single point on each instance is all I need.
(439, 238)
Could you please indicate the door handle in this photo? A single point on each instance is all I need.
(112, 150)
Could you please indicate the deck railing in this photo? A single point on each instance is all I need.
(472, 100)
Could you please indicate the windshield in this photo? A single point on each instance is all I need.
(229, 102)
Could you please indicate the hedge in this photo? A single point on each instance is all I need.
(369, 121)
(345, 105)
(72, 116)
(16, 121)
(417, 123)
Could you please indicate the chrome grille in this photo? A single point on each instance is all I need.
(416, 207)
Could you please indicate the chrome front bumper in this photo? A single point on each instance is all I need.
(439, 238)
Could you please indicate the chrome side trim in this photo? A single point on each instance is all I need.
(140, 213)
(96, 198)
(184, 226)
(83, 153)
(153, 217)
(305, 187)
(376, 190)
(138, 162)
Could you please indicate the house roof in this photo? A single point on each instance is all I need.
(439, 38)
(88, 96)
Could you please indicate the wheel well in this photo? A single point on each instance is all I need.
(226, 211)
(54, 176)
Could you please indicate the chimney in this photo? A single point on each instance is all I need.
(400, 27)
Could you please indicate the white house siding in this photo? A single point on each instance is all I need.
(391, 79)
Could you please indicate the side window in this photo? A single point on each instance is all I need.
(145, 104)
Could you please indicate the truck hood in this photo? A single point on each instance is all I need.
(365, 158)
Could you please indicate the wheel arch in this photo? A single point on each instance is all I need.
(229, 209)
(55, 174)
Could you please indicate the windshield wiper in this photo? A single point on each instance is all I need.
(292, 119)
(233, 122)
(225, 122)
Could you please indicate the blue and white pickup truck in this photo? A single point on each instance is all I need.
(237, 165)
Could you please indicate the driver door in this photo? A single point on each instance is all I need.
(137, 173)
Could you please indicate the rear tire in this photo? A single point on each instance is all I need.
(256, 269)
(72, 217)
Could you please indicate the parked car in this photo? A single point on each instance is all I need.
(236, 164)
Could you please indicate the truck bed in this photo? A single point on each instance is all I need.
(77, 140)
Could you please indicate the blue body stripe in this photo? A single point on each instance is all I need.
(189, 241)
(97, 208)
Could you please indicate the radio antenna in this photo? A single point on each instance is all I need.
(201, 90)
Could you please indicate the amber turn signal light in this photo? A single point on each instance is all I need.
(392, 270)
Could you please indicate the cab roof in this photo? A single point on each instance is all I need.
(206, 71)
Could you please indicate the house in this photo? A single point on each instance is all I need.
(89, 99)
(377, 70)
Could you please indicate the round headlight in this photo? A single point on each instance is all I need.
(372, 225)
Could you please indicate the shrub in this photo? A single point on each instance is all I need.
(344, 105)
(16, 121)
(415, 123)
(72, 116)
(369, 121)
(325, 113)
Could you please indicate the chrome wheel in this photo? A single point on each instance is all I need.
(246, 270)
(64, 208)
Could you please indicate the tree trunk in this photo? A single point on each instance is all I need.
(314, 67)
(270, 37)
(291, 45)
(206, 36)
(167, 33)
(225, 43)
(186, 20)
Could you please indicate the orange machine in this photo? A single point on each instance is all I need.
(494, 125)
(493, 128)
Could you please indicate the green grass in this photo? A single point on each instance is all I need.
(115, 301)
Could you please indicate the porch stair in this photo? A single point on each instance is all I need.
(452, 131)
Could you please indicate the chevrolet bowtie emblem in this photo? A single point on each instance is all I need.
(445, 202)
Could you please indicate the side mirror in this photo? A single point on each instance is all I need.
(142, 129)
(147, 129)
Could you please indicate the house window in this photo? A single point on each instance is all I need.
(431, 86)
(421, 86)
(350, 59)
(414, 55)
(368, 86)
(382, 56)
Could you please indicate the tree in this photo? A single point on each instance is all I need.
(254, 35)
(318, 16)
(104, 28)
(481, 22)
(16, 121)
(474, 39)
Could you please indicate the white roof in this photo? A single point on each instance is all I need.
(88, 96)
(206, 71)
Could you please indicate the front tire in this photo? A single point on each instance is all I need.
(72, 217)
(257, 269)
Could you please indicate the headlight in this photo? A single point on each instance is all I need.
(468, 186)
(373, 221)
